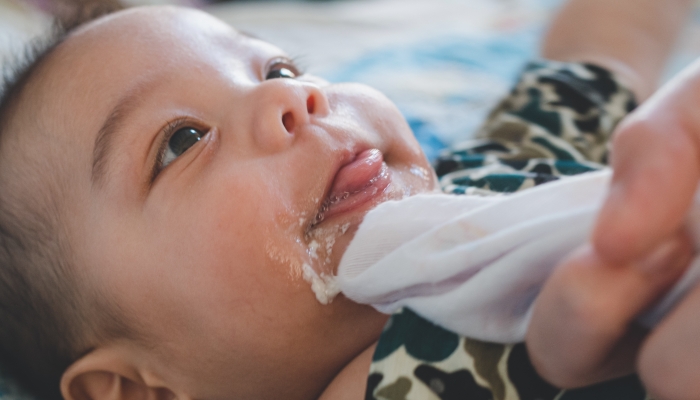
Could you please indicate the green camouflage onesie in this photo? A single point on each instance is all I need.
(556, 122)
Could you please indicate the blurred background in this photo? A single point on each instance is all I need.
(443, 62)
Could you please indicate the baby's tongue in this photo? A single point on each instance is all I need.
(357, 175)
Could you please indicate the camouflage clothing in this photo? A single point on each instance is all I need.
(556, 122)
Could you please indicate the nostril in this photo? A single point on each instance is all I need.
(288, 121)
(310, 104)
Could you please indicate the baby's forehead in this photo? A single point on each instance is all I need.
(144, 37)
(167, 32)
(99, 62)
(156, 21)
(134, 44)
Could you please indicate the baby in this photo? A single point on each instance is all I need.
(168, 183)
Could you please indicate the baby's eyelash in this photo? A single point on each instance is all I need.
(299, 63)
(164, 135)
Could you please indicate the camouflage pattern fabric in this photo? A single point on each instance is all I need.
(417, 360)
(556, 122)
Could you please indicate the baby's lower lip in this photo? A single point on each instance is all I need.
(357, 183)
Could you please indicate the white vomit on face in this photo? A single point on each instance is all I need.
(313, 249)
(420, 172)
(316, 267)
(330, 241)
(319, 270)
(324, 286)
(410, 185)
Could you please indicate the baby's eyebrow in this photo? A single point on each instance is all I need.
(114, 122)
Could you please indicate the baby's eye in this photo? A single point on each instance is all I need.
(178, 143)
(282, 69)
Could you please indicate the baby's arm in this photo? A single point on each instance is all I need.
(630, 37)
(580, 331)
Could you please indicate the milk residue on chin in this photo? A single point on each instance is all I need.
(324, 286)
(318, 271)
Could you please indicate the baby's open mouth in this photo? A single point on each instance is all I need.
(355, 184)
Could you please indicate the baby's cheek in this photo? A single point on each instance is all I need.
(285, 258)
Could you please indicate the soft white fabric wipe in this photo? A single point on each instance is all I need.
(476, 264)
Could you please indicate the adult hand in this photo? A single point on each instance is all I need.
(582, 329)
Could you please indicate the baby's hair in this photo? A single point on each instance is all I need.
(45, 324)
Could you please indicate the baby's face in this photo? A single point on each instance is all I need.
(207, 172)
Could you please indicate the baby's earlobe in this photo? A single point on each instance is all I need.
(94, 385)
(110, 374)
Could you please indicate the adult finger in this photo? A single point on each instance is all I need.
(656, 162)
(670, 358)
(581, 330)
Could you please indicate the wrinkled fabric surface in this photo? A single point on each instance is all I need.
(475, 265)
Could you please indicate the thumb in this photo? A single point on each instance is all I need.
(656, 163)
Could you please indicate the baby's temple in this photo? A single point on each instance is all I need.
(349, 199)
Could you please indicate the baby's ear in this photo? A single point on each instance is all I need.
(108, 374)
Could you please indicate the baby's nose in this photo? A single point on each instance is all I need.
(284, 107)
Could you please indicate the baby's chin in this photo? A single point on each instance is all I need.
(328, 240)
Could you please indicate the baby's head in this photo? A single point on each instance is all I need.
(162, 194)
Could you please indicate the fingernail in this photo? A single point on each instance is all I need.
(667, 257)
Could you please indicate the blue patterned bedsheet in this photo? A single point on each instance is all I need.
(444, 85)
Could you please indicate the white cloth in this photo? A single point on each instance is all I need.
(476, 264)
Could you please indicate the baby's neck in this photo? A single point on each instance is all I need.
(351, 382)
